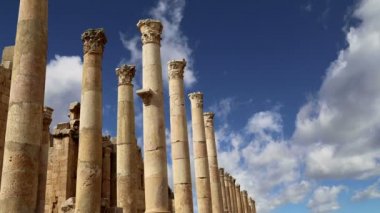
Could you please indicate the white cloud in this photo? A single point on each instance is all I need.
(63, 85)
(222, 108)
(371, 192)
(325, 199)
(174, 44)
(344, 119)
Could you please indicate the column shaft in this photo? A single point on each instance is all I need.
(126, 143)
(179, 139)
(238, 199)
(155, 165)
(106, 169)
(232, 194)
(216, 194)
(89, 170)
(223, 190)
(24, 123)
(227, 188)
(202, 173)
(245, 201)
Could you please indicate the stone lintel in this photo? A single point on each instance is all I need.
(94, 41)
(126, 73)
(145, 95)
(151, 30)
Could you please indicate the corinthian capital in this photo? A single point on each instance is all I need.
(209, 119)
(176, 68)
(94, 41)
(151, 31)
(197, 99)
(126, 73)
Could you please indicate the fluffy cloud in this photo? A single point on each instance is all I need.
(63, 85)
(371, 192)
(324, 199)
(174, 44)
(344, 119)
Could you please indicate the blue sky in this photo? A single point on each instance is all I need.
(294, 85)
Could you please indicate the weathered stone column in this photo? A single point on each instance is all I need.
(252, 205)
(155, 165)
(44, 153)
(223, 189)
(216, 194)
(227, 185)
(245, 201)
(106, 169)
(179, 139)
(233, 183)
(232, 194)
(126, 143)
(24, 123)
(89, 172)
(238, 199)
(202, 173)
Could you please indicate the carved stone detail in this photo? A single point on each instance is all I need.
(209, 119)
(198, 98)
(176, 69)
(126, 73)
(94, 41)
(151, 31)
(48, 112)
(145, 95)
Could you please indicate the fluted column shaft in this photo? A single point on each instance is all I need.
(216, 194)
(179, 139)
(245, 201)
(223, 190)
(232, 194)
(126, 180)
(252, 204)
(44, 153)
(238, 199)
(202, 173)
(228, 191)
(155, 165)
(106, 172)
(89, 171)
(234, 199)
(25, 114)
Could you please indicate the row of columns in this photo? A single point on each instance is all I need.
(24, 145)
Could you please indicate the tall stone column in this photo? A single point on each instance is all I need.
(44, 153)
(126, 143)
(202, 173)
(216, 194)
(238, 199)
(25, 114)
(252, 205)
(106, 169)
(155, 165)
(234, 194)
(245, 201)
(179, 139)
(89, 170)
(223, 189)
(228, 191)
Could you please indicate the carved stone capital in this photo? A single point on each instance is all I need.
(176, 68)
(209, 119)
(48, 113)
(197, 99)
(145, 95)
(126, 73)
(94, 41)
(151, 31)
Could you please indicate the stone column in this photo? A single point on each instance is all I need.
(89, 172)
(245, 201)
(228, 196)
(106, 169)
(179, 139)
(252, 205)
(223, 189)
(202, 173)
(126, 143)
(234, 194)
(155, 165)
(238, 199)
(216, 194)
(44, 153)
(25, 114)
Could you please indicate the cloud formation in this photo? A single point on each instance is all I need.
(324, 199)
(371, 192)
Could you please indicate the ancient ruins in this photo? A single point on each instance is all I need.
(73, 167)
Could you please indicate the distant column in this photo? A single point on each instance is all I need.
(216, 194)
(228, 191)
(106, 169)
(44, 153)
(202, 181)
(234, 200)
(179, 139)
(223, 189)
(25, 114)
(126, 143)
(238, 199)
(245, 201)
(155, 164)
(89, 170)
(232, 194)
(252, 204)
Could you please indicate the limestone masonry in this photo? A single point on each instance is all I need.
(72, 167)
